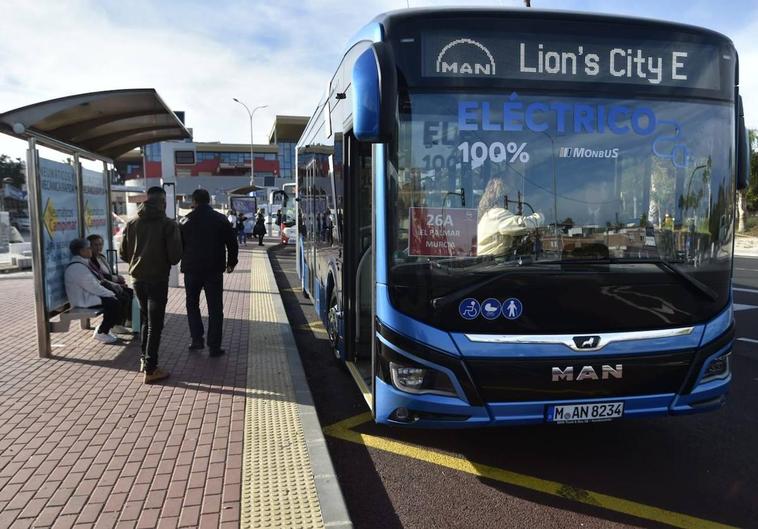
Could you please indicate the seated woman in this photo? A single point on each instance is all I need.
(497, 226)
(84, 290)
(112, 281)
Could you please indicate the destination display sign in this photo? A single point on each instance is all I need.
(572, 59)
(442, 232)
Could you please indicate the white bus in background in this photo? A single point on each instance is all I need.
(285, 199)
(276, 200)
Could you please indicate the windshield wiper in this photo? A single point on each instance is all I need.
(666, 266)
(696, 284)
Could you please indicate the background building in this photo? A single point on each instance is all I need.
(215, 166)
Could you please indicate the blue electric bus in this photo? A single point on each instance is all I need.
(520, 216)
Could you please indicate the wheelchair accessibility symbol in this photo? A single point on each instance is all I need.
(512, 308)
(469, 309)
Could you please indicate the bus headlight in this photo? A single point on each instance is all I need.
(419, 380)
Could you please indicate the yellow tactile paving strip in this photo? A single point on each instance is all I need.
(278, 488)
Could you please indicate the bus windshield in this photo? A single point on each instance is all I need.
(484, 182)
(517, 176)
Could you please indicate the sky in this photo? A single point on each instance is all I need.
(199, 55)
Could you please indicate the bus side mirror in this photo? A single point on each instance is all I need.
(374, 86)
(743, 149)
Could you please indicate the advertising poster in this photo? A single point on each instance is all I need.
(96, 207)
(60, 225)
(442, 232)
(246, 205)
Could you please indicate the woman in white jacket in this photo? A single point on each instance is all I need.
(85, 291)
(497, 226)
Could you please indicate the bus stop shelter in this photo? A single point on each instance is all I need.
(244, 199)
(67, 201)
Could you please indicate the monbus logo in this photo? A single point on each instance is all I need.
(584, 152)
(465, 56)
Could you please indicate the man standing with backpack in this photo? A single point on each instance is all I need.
(151, 245)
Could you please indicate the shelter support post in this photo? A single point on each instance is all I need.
(38, 256)
(168, 182)
(112, 252)
(80, 195)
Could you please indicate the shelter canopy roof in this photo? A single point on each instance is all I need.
(106, 124)
(242, 191)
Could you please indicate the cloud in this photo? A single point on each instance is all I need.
(199, 55)
(745, 43)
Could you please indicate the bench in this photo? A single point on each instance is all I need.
(74, 313)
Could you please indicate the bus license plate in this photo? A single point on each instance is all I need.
(586, 412)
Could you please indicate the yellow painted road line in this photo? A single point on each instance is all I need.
(361, 383)
(343, 430)
(349, 423)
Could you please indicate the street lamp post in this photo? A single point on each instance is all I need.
(252, 156)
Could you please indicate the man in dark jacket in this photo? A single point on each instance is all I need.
(210, 247)
(151, 244)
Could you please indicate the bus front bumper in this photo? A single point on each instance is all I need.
(397, 407)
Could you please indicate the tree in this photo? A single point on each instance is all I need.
(747, 199)
(751, 193)
(13, 169)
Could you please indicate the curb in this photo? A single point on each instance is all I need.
(333, 508)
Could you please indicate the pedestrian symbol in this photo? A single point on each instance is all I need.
(490, 308)
(469, 309)
(512, 308)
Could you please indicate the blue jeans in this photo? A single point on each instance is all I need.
(241, 237)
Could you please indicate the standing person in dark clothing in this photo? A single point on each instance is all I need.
(209, 248)
(259, 230)
(151, 244)
(241, 237)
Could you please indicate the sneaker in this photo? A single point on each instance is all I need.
(196, 344)
(121, 329)
(105, 338)
(156, 375)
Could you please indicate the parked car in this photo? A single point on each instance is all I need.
(15, 235)
(20, 221)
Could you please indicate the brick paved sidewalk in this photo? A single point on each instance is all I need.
(84, 443)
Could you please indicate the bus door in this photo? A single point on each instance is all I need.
(358, 269)
(308, 204)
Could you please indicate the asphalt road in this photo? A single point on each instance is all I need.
(703, 466)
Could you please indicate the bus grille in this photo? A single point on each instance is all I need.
(523, 380)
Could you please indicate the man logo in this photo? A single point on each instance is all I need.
(469, 58)
(587, 373)
(586, 342)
